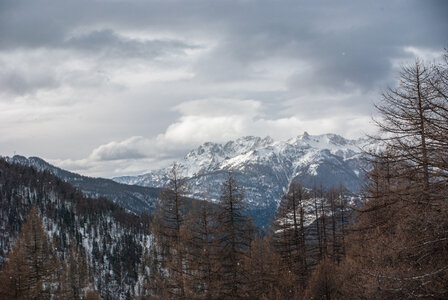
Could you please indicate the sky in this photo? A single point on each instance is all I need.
(109, 88)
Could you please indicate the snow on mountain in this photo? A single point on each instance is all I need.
(266, 167)
(135, 199)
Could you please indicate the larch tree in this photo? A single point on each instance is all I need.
(405, 113)
(32, 266)
(235, 231)
(77, 279)
(289, 236)
(324, 282)
(438, 130)
(399, 248)
(267, 277)
(199, 242)
(168, 275)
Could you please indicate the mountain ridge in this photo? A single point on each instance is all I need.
(265, 168)
(133, 198)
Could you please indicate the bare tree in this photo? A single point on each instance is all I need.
(289, 236)
(399, 246)
(235, 231)
(168, 274)
(406, 113)
(32, 266)
(199, 241)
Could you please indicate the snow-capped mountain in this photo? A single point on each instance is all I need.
(266, 167)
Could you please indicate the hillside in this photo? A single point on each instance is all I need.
(135, 199)
(111, 239)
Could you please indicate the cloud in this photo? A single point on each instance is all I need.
(131, 148)
(215, 120)
(110, 86)
(208, 120)
(218, 107)
(220, 120)
(107, 42)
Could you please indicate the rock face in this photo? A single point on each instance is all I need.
(266, 167)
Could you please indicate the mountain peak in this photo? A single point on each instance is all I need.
(266, 167)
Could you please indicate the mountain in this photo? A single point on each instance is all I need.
(135, 199)
(266, 168)
(111, 239)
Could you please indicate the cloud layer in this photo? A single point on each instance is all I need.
(114, 87)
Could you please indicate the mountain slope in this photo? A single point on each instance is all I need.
(111, 239)
(136, 199)
(266, 167)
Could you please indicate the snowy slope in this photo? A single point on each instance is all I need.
(266, 167)
(135, 199)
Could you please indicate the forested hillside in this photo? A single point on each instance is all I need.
(135, 199)
(110, 239)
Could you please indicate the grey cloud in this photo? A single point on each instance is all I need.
(108, 41)
(20, 83)
(83, 46)
(117, 153)
(346, 41)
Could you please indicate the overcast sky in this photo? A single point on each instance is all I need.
(108, 88)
